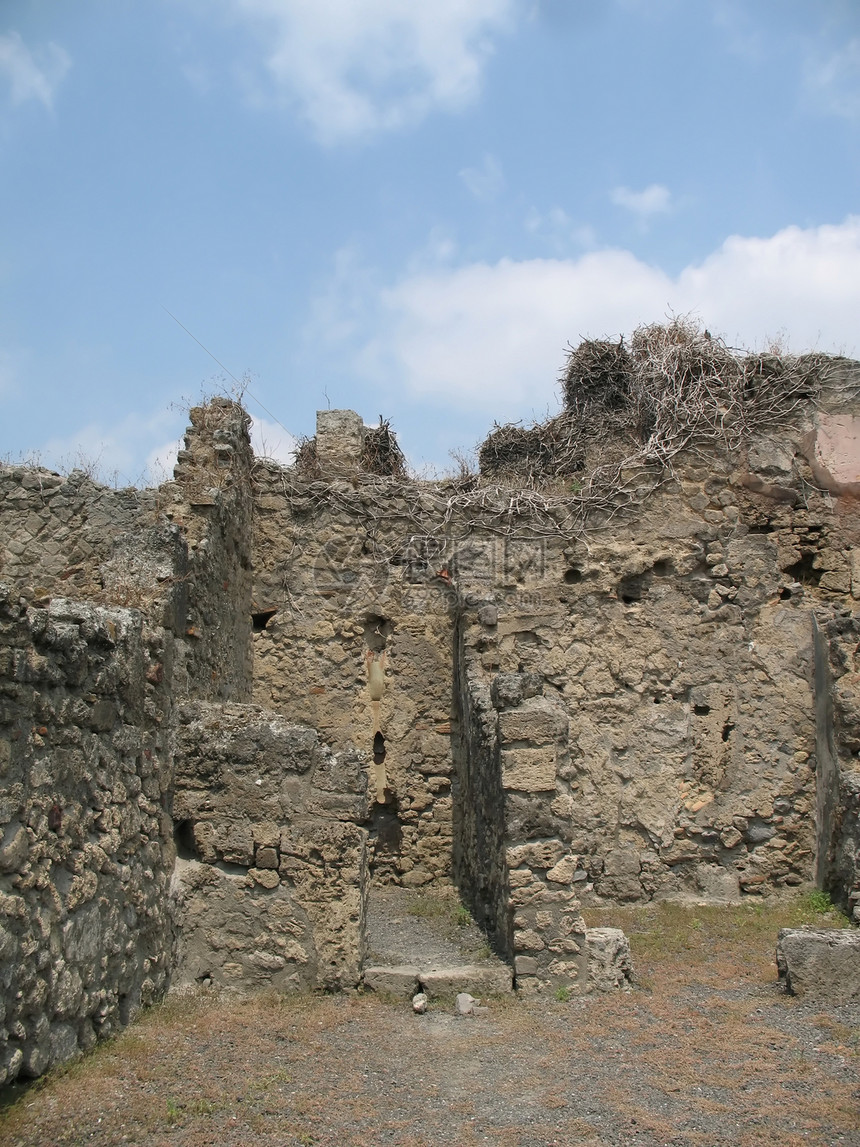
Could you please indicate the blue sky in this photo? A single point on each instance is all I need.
(405, 208)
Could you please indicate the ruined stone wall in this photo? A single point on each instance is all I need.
(679, 647)
(838, 743)
(618, 714)
(57, 532)
(272, 875)
(161, 609)
(365, 679)
(843, 878)
(336, 588)
(479, 860)
(86, 766)
(210, 502)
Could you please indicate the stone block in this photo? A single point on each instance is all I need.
(528, 940)
(265, 877)
(532, 817)
(340, 437)
(267, 857)
(609, 963)
(529, 770)
(510, 689)
(622, 862)
(535, 854)
(820, 963)
(478, 979)
(537, 722)
(63, 1041)
(564, 871)
(400, 980)
(14, 847)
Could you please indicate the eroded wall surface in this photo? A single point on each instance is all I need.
(271, 878)
(86, 765)
(353, 589)
(114, 603)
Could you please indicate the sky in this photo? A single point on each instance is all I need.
(409, 209)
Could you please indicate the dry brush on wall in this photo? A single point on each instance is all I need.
(629, 413)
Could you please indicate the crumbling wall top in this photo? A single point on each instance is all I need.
(340, 439)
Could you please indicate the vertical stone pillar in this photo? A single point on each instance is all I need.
(340, 438)
(548, 932)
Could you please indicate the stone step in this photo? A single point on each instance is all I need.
(404, 980)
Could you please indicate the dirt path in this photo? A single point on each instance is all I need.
(429, 929)
(706, 1051)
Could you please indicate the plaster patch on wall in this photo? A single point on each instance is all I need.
(836, 452)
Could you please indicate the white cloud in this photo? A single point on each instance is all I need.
(653, 200)
(486, 182)
(558, 229)
(491, 337)
(835, 81)
(29, 78)
(355, 69)
(271, 441)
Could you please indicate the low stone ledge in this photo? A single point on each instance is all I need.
(476, 979)
(400, 980)
(820, 963)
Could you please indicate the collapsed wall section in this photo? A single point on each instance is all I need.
(271, 877)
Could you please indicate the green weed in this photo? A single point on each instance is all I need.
(819, 901)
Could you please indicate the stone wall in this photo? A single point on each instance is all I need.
(161, 610)
(339, 597)
(271, 879)
(837, 867)
(616, 714)
(362, 679)
(56, 532)
(210, 502)
(86, 767)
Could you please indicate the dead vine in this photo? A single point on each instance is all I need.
(629, 413)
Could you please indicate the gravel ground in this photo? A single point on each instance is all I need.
(707, 1050)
